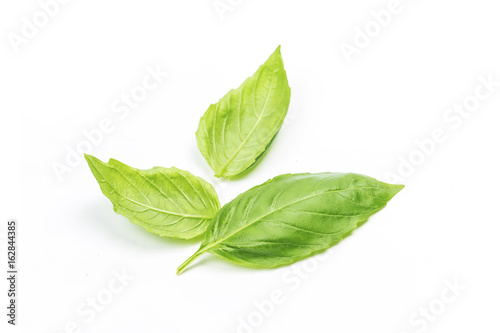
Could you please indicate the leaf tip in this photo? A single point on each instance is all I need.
(397, 188)
(278, 51)
(90, 159)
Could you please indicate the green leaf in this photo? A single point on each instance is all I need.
(238, 129)
(291, 217)
(167, 202)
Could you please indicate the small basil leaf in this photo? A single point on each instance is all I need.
(238, 129)
(291, 217)
(167, 202)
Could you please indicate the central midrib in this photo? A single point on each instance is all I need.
(274, 211)
(164, 211)
(144, 205)
(240, 147)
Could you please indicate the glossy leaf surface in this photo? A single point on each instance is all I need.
(167, 202)
(237, 130)
(293, 216)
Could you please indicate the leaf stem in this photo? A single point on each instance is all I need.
(189, 260)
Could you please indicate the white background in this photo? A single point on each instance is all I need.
(363, 116)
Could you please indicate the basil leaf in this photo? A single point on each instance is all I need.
(291, 217)
(238, 129)
(167, 202)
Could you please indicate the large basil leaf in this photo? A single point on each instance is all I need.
(291, 217)
(167, 202)
(238, 129)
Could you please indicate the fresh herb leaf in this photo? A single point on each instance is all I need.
(291, 217)
(238, 129)
(167, 202)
